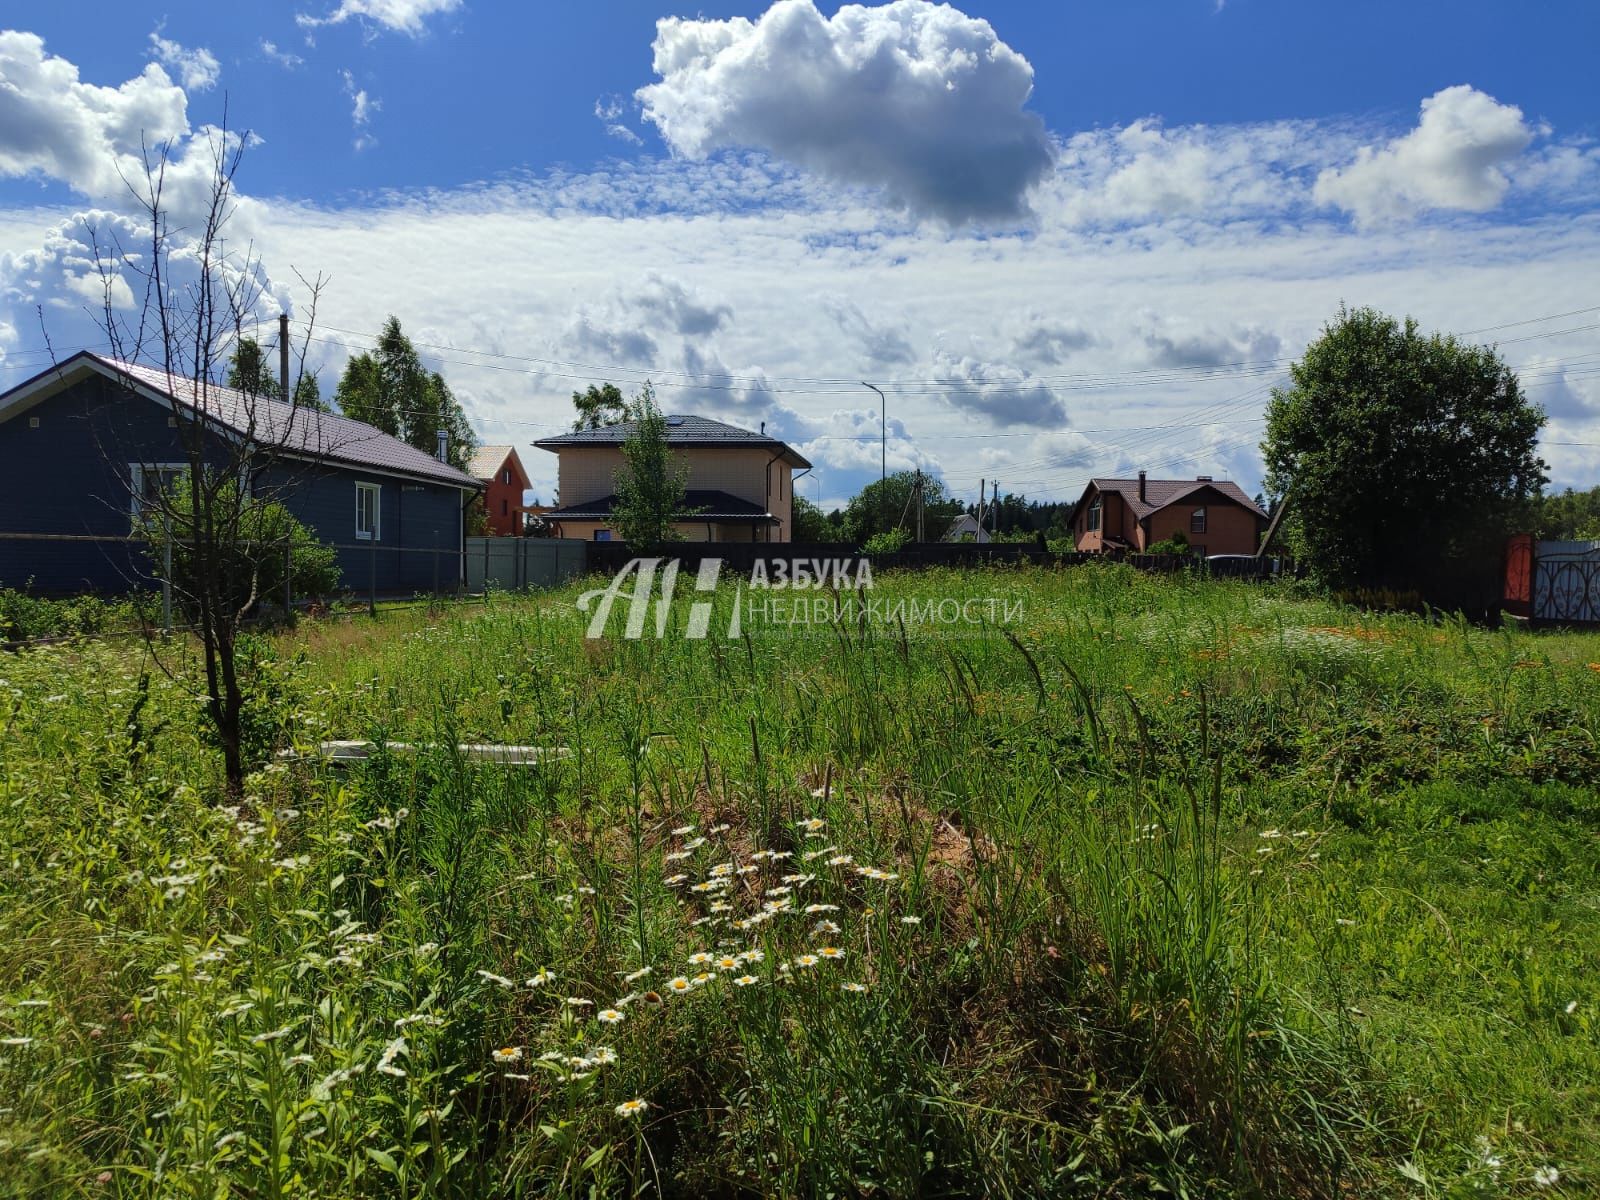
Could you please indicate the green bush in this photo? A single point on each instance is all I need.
(253, 560)
(1178, 543)
(887, 542)
(24, 616)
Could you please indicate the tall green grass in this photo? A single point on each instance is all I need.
(1169, 888)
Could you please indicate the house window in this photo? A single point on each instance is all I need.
(369, 512)
(505, 477)
(602, 535)
(1094, 515)
(151, 481)
(1197, 521)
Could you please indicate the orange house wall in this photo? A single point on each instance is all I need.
(1229, 528)
(505, 524)
(1115, 521)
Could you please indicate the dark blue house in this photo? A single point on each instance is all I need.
(82, 443)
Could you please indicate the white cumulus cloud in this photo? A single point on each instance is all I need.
(914, 98)
(197, 69)
(96, 139)
(400, 16)
(54, 125)
(1456, 158)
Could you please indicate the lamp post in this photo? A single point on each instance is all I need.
(883, 432)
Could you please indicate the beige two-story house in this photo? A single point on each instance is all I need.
(739, 486)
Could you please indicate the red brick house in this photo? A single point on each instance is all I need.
(1134, 514)
(500, 471)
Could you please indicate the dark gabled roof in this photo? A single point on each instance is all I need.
(286, 428)
(698, 506)
(1162, 493)
(683, 429)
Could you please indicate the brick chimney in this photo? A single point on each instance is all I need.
(1141, 487)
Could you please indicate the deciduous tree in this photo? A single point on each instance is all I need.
(599, 406)
(650, 491)
(1402, 452)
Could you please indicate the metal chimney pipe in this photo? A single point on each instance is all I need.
(444, 446)
(283, 356)
(1141, 487)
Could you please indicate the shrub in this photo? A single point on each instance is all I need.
(253, 561)
(24, 616)
(1178, 543)
(887, 542)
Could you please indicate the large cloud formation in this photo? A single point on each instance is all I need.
(1454, 159)
(96, 141)
(915, 98)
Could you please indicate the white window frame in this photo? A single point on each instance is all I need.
(375, 534)
(136, 474)
(1096, 511)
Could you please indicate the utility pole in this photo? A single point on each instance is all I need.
(283, 358)
(921, 506)
(996, 508)
(982, 495)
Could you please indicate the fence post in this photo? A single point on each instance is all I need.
(166, 584)
(486, 570)
(372, 579)
(288, 586)
(436, 565)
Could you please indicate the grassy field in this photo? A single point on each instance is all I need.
(1164, 888)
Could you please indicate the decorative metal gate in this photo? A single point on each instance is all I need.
(1566, 582)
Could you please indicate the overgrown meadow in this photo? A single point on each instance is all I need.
(1168, 888)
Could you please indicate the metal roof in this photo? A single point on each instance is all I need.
(1160, 493)
(286, 428)
(683, 429)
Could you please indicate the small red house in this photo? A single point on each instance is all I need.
(500, 471)
(1134, 514)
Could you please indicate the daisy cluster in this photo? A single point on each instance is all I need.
(770, 917)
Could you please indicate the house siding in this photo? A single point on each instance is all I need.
(503, 501)
(419, 525)
(587, 473)
(1115, 522)
(71, 476)
(1230, 529)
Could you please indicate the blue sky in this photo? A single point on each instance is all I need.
(1068, 239)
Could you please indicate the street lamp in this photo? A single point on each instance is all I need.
(883, 432)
